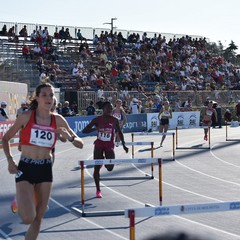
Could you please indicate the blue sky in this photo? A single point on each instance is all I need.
(214, 19)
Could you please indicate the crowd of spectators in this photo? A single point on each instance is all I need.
(149, 65)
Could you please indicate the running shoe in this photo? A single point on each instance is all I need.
(99, 194)
(14, 207)
(206, 137)
(160, 145)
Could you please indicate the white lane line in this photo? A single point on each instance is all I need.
(6, 237)
(207, 226)
(207, 175)
(89, 221)
(85, 219)
(220, 159)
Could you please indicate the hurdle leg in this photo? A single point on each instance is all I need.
(132, 224)
(160, 180)
(173, 144)
(209, 139)
(132, 145)
(82, 187)
(226, 132)
(152, 166)
(176, 137)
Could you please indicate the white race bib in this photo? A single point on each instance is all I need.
(105, 135)
(42, 137)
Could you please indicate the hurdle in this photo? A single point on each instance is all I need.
(177, 210)
(195, 147)
(160, 134)
(229, 139)
(147, 176)
(114, 161)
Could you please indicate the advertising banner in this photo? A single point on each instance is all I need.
(135, 123)
(4, 126)
(179, 119)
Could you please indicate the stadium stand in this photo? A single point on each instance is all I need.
(146, 64)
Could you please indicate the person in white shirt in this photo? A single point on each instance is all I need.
(3, 114)
(134, 107)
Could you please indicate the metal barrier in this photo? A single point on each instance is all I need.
(195, 147)
(160, 134)
(113, 161)
(147, 176)
(230, 139)
(177, 210)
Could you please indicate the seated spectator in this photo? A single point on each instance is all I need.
(4, 30)
(40, 65)
(67, 34)
(11, 32)
(62, 34)
(23, 32)
(80, 36)
(37, 51)
(33, 36)
(75, 71)
(26, 52)
(66, 111)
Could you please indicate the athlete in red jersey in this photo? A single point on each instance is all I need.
(106, 126)
(34, 170)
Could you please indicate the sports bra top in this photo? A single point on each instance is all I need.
(34, 134)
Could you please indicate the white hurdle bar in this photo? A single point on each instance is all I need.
(209, 140)
(147, 176)
(158, 134)
(229, 139)
(177, 210)
(114, 161)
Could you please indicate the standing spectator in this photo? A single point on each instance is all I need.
(90, 110)
(237, 110)
(164, 115)
(106, 125)
(22, 109)
(177, 107)
(74, 108)
(59, 108)
(100, 103)
(227, 116)
(188, 105)
(3, 114)
(134, 107)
